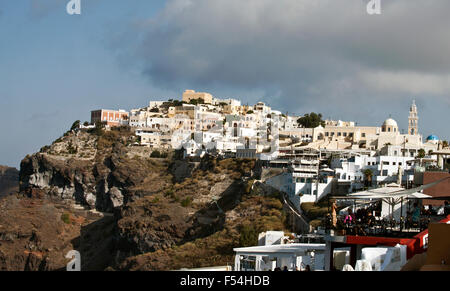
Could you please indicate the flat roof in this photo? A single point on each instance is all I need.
(286, 248)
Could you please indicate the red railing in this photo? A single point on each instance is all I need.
(416, 245)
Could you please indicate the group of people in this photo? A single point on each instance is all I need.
(364, 217)
(285, 269)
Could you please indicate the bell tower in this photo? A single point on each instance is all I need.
(413, 120)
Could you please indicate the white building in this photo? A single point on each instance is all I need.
(384, 168)
(268, 257)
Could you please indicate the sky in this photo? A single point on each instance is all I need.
(298, 56)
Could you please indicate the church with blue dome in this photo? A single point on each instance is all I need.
(433, 139)
(409, 144)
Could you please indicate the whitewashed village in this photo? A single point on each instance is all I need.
(386, 189)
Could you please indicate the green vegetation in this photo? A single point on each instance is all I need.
(45, 149)
(315, 223)
(71, 149)
(98, 129)
(65, 217)
(315, 211)
(421, 154)
(155, 154)
(248, 186)
(158, 154)
(197, 101)
(75, 125)
(311, 120)
(186, 202)
(174, 103)
(58, 140)
(171, 194)
(117, 135)
(248, 236)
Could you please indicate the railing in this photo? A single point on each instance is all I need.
(383, 227)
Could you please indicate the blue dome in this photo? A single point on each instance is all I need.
(432, 137)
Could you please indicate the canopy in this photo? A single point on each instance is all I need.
(395, 191)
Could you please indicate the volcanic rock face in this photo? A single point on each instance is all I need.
(35, 237)
(9, 180)
(103, 182)
(165, 213)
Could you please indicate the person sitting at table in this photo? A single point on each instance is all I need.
(348, 218)
(361, 214)
(415, 217)
(370, 220)
(431, 210)
(446, 208)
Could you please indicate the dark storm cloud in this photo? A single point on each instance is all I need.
(329, 55)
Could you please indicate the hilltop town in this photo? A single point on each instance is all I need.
(321, 157)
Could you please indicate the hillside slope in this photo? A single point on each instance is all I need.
(164, 214)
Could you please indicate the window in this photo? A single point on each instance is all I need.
(363, 134)
(345, 134)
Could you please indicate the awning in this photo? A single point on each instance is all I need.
(395, 191)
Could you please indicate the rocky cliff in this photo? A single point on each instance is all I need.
(164, 214)
(74, 168)
(37, 233)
